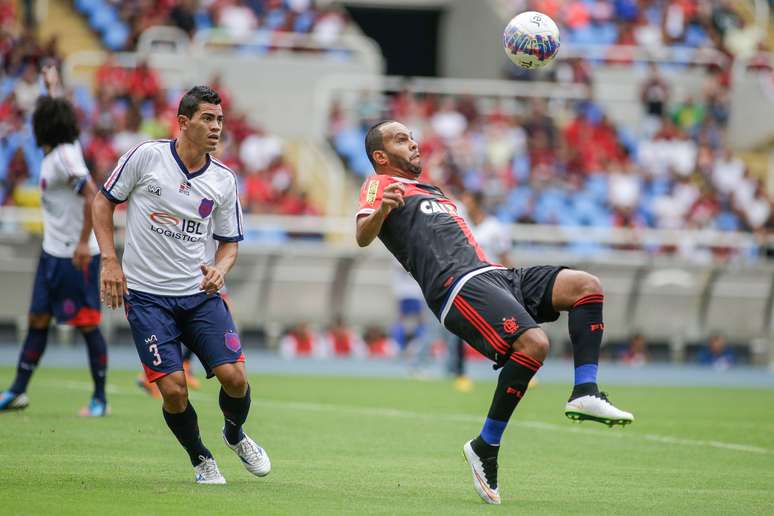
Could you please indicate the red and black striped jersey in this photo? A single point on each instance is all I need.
(426, 235)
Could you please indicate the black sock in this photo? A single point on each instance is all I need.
(97, 348)
(586, 330)
(185, 426)
(511, 387)
(235, 412)
(32, 350)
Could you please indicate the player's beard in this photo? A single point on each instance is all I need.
(405, 165)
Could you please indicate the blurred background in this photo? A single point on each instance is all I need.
(643, 154)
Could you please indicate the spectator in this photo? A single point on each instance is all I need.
(716, 353)
(636, 353)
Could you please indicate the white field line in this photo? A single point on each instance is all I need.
(464, 418)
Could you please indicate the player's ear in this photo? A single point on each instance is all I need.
(182, 121)
(380, 157)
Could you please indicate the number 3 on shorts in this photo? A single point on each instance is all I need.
(154, 348)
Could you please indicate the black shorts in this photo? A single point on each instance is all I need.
(494, 308)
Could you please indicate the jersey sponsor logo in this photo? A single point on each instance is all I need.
(154, 189)
(164, 219)
(185, 229)
(373, 189)
(430, 207)
(510, 325)
(205, 207)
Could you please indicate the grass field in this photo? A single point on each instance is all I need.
(345, 445)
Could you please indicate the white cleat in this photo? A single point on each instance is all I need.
(597, 408)
(254, 458)
(207, 472)
(484, 475)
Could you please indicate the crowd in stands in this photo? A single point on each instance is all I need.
(120, 23)
(574, 166)
(126, 106)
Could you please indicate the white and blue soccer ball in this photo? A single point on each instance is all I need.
(531, 40)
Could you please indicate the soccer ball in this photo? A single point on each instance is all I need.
(531, 40)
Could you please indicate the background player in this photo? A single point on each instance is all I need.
(66, 281)
(178, 198)
(496, 310)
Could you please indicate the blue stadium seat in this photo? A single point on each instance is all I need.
(103, 18)
(116, 37)
(87, 6)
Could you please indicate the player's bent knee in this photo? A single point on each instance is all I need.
(174, 392)
(533, 342)
(589, 284)
(39, 321)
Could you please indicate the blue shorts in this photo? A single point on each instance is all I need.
(71, 295)
(160, 324)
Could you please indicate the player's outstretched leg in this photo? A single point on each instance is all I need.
(481, 453)
(181, 418)
(15, 398)
(235, 409)
(97, 349)
(582, 294)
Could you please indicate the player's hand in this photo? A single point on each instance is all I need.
(213, 279)
(82, 256)
(392, 198)
(112, 283)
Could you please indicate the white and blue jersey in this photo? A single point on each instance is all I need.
(172, 213)
(62, 176)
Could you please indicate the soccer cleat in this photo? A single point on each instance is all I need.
(254, 458)
(96, 408)
(596, 407)
(12, 401)
(207, 472)
(484, 474)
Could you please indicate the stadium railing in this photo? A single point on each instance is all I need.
(674, 299)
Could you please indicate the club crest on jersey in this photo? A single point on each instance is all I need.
(373, 189)
(430, 207)
(205, 207)
(185, 188)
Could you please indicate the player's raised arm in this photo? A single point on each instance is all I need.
(370, 224)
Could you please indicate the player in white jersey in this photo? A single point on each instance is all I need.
(178, 198)
(66, 281)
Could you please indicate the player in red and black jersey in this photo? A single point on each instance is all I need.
(495, 309)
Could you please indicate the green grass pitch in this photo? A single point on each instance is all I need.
(347, 445)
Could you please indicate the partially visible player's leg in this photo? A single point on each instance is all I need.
(34, 346)
(182, 420)
(156, 337)
(581, 294)
(213, 338)
(486, 314)
(98, 361)
(15, 398)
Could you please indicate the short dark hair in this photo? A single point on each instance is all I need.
(189, 104)
(374, 140)
(54, 121)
